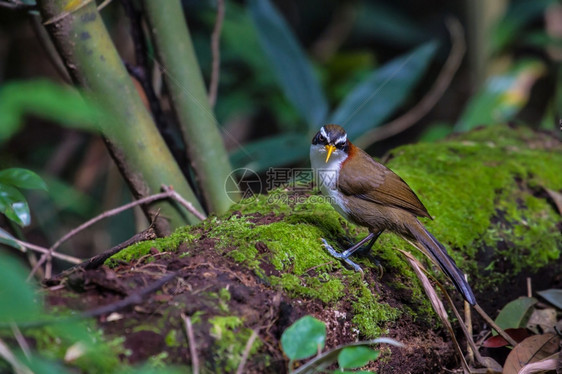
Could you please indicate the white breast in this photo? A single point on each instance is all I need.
(326, 175)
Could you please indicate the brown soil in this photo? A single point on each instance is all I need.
(265, 309)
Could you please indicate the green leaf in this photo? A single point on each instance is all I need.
(304, 338)
(356, 357)
(502, 96)
(46, 100)
(289, 62)
(7, 239)
(387, 22)
(271, 152)
(519, 14)
(374, 100)
(22, 178)
(18, 302)
(326, 359)
(553, 296)
(14, 205)
(515, 313)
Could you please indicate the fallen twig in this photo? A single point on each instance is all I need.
(37, 248)
(246, 353)
(132, 299)
(191, 342)
(168, 193)
(98, 260)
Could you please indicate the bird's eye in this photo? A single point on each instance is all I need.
(321, 138)
(340, 145)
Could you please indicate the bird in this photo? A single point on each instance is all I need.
(368, 194)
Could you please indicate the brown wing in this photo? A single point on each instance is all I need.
(369, 180)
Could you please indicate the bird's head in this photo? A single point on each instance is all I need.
(331, 140)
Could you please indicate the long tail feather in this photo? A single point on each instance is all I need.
(438, 253)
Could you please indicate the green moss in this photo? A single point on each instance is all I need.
(222, 298)
(370, 314)
(97, 353)
(173, 338)
(478, 188)
(230, 341)
(138, 250)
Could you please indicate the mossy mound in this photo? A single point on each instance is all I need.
(485, 190)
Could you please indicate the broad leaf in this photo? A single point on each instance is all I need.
(289, 62)
(519, 14)
(553, 296)
(374, 100)
(515, 313)
(14, 205)
(304, 338)
(356, 357)
(7, 239)
(532, 349)
(46, 100)
(502, 96)
(17, 299)
(323, 361)
(22, 178)
(271, 152)
(387, 22)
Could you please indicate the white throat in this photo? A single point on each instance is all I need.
(326, 174)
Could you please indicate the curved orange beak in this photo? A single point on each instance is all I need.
(330, 148)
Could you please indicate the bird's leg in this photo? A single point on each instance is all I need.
(366, 248)
(372, 238)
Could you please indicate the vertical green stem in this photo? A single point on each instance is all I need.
(187, 90)
(93, 62)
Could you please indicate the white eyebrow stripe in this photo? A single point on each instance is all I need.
(341, 139)
(323, 132)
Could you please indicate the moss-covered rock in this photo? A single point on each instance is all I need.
(485, 190)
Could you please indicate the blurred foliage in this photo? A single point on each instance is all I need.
(12, 202)
(366, 106)
(61, 344)
(43, 99)
(274, 93)
(525, 48)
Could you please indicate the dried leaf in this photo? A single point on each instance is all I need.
(541, 366)
(557, 197)
(532, 349)
(542, 320)
(497, 341)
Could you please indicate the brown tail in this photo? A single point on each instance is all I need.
(438, 253)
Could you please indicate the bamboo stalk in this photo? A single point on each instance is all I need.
(189, 97)
(94, 64)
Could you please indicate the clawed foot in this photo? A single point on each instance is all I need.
(342, 256)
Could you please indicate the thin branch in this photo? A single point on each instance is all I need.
(431, 98)
(168, 193)
(11, 359)
(498, 329)
(98, 260)
(215, 48)
(186, 204)
(17, 6)
(21, 341)
(132, 299)
(246, 353)
(336, 33)
(37, 248)
(191, 342)
(468, 323)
